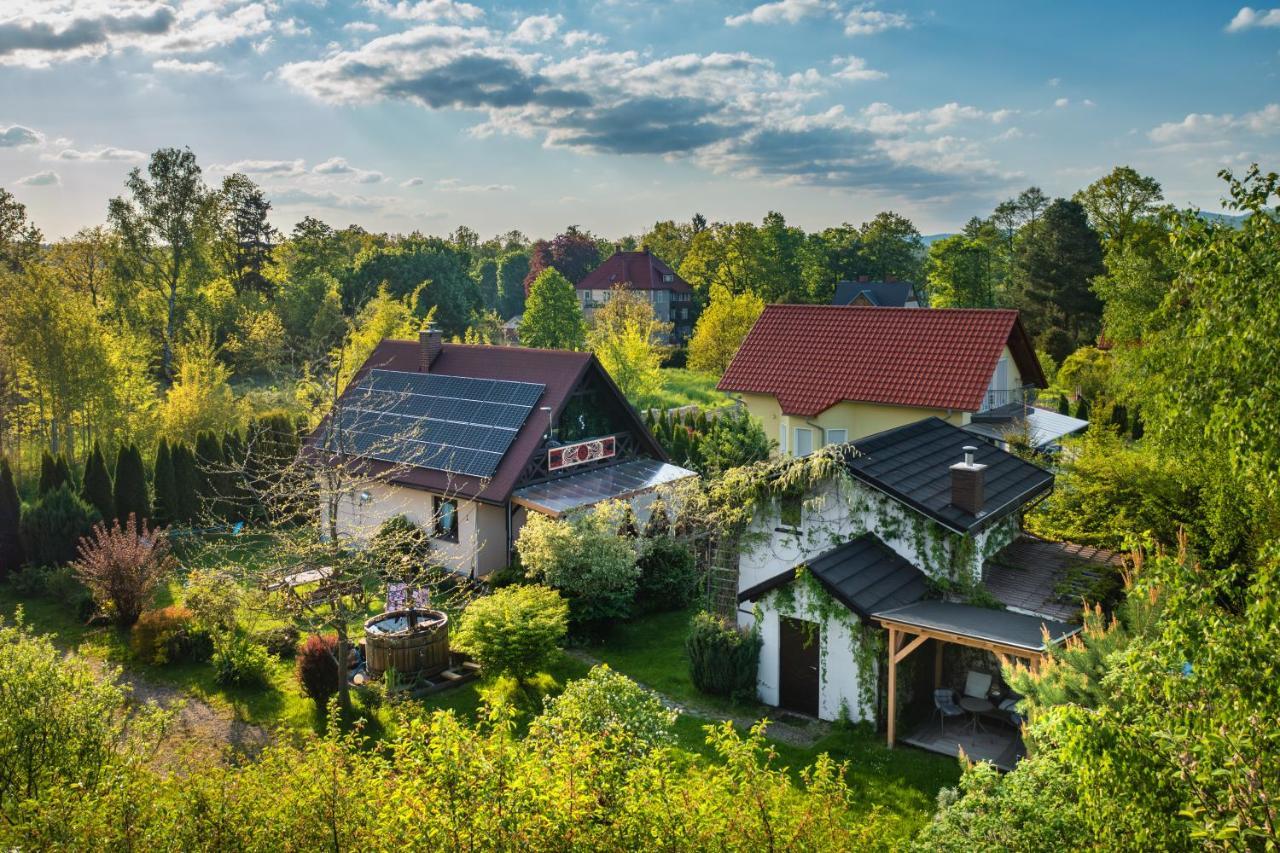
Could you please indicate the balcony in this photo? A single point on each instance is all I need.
(998, 399)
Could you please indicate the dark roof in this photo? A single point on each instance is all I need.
(912, 464)
(863, 574)
(889, 294)
(560, 371)
(811, 357)
(1050, 579)
(639, 270)
(980, 623)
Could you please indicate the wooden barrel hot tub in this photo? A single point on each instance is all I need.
(415, 643)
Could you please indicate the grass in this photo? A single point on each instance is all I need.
(684, 387)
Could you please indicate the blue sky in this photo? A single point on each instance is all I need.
(428, 114)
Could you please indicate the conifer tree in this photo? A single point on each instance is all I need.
(235, 494)
(96, 486)
(186, 484)
(209, 463)
(11, 556)
(165, 487)
(131, 486)
(1082, 409)
(48, 474)
(63, 467)
(1064, 407)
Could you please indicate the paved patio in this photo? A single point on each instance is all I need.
(999, 744)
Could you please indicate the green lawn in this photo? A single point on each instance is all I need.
(684, 387)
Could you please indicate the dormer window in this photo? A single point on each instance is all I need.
(667, 278)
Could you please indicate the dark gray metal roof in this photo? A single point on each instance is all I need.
(1049, 579)
(889, 294)
(1043, 427)
(1002, 627)
(556, 497)
(912, 464)
(863, 574)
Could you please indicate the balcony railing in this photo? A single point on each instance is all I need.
(998, 397)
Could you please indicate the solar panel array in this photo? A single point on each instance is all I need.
(455, 424)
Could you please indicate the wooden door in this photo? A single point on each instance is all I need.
(798, 666)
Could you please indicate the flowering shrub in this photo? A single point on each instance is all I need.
(122, 566)
(169, 635)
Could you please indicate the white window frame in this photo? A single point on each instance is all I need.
(831, 433)
(807, 431)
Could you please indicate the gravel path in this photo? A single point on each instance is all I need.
(804, 733)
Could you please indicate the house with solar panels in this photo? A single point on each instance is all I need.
(467, 440)
(900, 573)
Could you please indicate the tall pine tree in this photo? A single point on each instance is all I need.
(96, 487)
(131, 486)
(11, 557)
(186, 484)
(49, 476)
(167, 505)
(209, 471)
(65, 476)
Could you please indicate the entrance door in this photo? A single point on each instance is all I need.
(798, 666)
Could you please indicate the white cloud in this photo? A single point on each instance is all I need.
(1215, 128)
(1062, 102)
(360, 27)
(1054, 81)
(855, 68)
(453, 185)
(17, 136)
(426, 10)
(43, 33)
(578, 38)
(177, 66)
(1248, 18)
(411, 182)
(1088, 102)
(339, 166)
(883, 119)
(47, 178)
(292, 27)
(304, 198)
(866, 21)
(281, 168)
(537, 28)
(782, 11)
(107, 154)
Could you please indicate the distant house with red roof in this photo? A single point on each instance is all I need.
(646, 274)
(827, 374)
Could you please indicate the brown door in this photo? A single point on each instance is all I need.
(798, 666)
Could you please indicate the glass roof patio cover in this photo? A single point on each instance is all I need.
(615, 482)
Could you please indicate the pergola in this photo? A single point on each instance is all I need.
(1008, 635)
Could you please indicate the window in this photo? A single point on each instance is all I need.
(837, 436)
(668, 277)
(791, 510)
(804, 442)
(446, 514)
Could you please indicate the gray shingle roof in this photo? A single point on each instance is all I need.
(912, 464)
(891, 294)
(1049, 579)
(995, 626)
(863, 574)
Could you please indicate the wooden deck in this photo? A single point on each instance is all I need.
(999, 744)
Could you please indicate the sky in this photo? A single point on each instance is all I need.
(405, 115)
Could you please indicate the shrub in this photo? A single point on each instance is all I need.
(239, 662)
(169, 635)
(130, 493)
(56, 583)
(611, 707)
(122, 566)
(168, 505)
(95, 487)
(586, 559)
(213, 597)
(514, 631)
(668, 575)
(317, 667)
(403, 546)
(281, 642)
(723, 660)
(53, 525)
(11, 556)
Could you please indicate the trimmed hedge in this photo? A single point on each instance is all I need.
(723, 660)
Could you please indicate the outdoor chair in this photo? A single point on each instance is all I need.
(977, 685)
(944, 701)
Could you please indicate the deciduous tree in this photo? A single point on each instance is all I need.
(552, 316)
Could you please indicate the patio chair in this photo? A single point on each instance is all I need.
(944, 701)
(977, 684)
(1010, 707)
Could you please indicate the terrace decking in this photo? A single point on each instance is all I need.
(999, 744)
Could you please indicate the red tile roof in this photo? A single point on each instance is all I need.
(811, 357)
(641, 270)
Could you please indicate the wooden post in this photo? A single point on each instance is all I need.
(893, 685)
(937, 663)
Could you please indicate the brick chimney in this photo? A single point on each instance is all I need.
(966, 483)
(429, 346)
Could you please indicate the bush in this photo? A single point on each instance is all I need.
(586, 559)
(122, 566)
(281, 642)
(403, 546)
(11, 556)
(169, 635)
(213, 597)
(723, 660)
(668, 575)
(52, 526)
(317, 667)
(56, 583)
(611, 707)
(514, 631)
(239, 662)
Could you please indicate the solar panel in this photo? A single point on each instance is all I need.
(456, 424)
